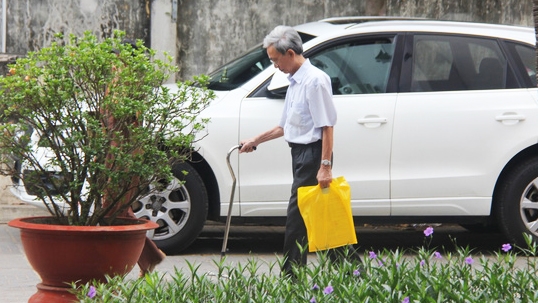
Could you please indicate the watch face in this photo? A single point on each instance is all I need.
(325, 162)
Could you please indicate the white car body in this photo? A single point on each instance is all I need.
(385, 165)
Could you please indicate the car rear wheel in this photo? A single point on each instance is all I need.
(517, 202)
(180, 209)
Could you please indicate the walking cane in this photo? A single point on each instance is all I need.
(228, 219)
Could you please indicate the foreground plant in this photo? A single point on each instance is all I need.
(88, 126)
(424, 275)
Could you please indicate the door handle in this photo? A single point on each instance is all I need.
(510, 118)
(372, 121)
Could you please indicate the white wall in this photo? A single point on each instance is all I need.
(164, 30)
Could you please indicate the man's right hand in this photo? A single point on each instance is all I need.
(247, 146)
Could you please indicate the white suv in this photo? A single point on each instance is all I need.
(437, 122)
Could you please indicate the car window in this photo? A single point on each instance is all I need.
(525, 56)
(444, 63)
(354, 66)
(239, 70)
(357, 67)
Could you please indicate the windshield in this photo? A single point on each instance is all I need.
(240, 70)
(243, 68)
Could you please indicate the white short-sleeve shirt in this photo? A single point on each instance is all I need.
(308, 106)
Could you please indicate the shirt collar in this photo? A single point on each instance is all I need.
(301, 72)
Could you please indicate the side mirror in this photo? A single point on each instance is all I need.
(279, 86)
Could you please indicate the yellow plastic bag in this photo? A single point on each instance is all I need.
(327, 215)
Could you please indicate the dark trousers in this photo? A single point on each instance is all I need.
(306, 159)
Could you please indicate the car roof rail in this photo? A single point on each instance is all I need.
(362, 19)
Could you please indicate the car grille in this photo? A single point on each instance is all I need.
(40, 183)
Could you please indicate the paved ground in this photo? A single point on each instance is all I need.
(17, 279)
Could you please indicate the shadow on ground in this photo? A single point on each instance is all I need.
(269, 239)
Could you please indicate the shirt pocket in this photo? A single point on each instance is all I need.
(295, 117)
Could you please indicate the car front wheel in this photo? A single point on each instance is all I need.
(517, 202)
(179, 207)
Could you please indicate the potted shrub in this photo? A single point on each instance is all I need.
(109, 132)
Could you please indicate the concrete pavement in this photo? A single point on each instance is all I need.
(17, 279)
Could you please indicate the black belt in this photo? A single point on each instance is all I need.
(292, 145)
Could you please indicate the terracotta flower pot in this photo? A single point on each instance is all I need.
(63, 254)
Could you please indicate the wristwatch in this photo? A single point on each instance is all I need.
(326, 162)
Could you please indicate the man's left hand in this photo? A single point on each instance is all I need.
(325, 176)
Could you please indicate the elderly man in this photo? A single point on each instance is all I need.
(307, 125)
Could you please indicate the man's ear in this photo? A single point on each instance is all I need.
(291, 52)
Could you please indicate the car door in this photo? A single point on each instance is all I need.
(359, 68)
(459, 119)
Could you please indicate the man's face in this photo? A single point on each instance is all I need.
(280, 61)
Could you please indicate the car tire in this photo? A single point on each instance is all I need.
(516, 202)
(180, 209)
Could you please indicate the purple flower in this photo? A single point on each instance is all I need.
(373, 255)
(507, 247)
(329, 289)
(313, 300)
(356, 272)
(92, 292)
(428, 231)
(469, 260)
(405, 300)
(315, 287)
(422, 262)
(437, 255)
